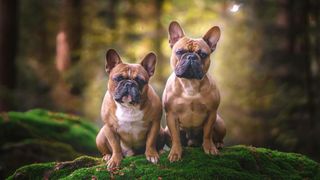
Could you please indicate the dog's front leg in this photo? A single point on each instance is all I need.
(208, 145)
(176, 149)
(151, 152)
(114, 142)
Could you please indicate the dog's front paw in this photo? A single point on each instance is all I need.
(210, 148)
(219, 145)
(175, 153)
(115, 160)
(106, 157)
(152, 155)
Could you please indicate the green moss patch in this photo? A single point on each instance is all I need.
(237, 162)
(43, 136)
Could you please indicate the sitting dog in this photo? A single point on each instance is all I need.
(131, 111)
(191, 97)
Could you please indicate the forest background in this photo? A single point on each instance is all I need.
(267, 62)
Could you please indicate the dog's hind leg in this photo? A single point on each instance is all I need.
(219, 132)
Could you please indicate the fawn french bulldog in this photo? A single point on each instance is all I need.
(131, 111)
(191, 97)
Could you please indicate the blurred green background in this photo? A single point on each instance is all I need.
(266, 63)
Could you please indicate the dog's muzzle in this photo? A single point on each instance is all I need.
(127, 92)
(190, 67)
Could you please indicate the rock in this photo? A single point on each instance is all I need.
(236, 162)
(43, 136)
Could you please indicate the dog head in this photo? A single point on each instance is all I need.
(128, 83)
(190, 58)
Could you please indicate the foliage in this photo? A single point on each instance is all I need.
(237, 162)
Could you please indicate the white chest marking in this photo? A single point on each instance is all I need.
(130, 120)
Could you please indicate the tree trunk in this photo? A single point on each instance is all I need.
(69, 36)
(161, 63)
(8, 40)
(68, 50)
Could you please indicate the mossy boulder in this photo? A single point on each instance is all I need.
(237, 162)
(43, 136)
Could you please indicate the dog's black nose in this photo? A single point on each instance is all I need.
(192, 57)
(129, 83)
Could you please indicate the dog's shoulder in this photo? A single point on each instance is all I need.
(106, 107)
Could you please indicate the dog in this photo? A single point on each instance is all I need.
(131, 111)
(191, 97)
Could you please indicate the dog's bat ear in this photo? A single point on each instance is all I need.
(175, 33)
(112, 59)
(212, 37)
(149, 63)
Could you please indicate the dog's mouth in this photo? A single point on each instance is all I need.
(189, 69)
(126, 100)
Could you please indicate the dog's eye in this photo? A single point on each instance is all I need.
(118, 78)
(202, 55)
(180, 52)
(140, 81)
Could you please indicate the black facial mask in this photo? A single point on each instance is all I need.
(126, 88)
(189, 67)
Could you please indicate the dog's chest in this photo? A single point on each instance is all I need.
(130, 120)
(191, 89)
(192, 105)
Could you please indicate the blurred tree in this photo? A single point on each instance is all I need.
(8, 50)
(69, 35)
(160, 35)
(289, 59)
(69, 85)
(36, 72)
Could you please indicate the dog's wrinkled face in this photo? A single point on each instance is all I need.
(128, 82)
(191, 57)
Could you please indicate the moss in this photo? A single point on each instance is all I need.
(35, 150)
(33, 171)
(237, 162)
(42, 136)
(49, 125)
